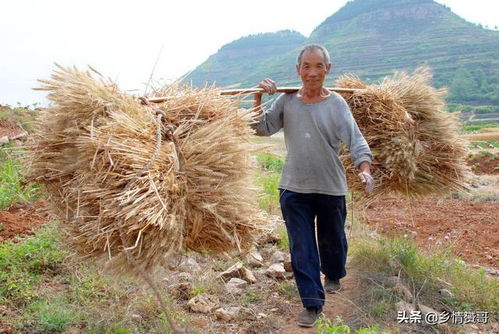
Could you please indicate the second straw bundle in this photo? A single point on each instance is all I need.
(112, 176)
(415, 143)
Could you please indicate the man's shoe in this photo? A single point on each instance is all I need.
(332, 285)
(309, 316)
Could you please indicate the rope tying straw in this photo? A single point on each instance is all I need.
(138, 268)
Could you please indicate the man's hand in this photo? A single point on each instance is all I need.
(368, 180)
(268, 85)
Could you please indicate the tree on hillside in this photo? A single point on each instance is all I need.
(463, 85)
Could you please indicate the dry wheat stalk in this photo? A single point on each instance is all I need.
(415, 143)
(91, 149)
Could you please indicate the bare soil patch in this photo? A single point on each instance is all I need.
(470, 229)
(493, 134)
(22, 219)
(9, 129)
(485, 163)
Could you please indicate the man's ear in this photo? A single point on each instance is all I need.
(298, 69)
(329, 67)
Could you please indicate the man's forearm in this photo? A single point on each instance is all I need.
(257, 103)
(270, 87)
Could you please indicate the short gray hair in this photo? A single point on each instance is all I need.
(313, 47)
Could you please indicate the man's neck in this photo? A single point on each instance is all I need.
(308, 95)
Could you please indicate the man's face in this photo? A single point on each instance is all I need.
(313, 69)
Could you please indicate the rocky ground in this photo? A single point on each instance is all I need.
(256, 293)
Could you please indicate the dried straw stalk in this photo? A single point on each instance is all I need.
(415, 143)
(93, 146)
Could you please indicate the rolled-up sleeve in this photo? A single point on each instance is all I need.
(350, 134)
(271, 120)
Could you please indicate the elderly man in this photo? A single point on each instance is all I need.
(313, 183)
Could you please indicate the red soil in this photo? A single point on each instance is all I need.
(9, 129)
(485, 163)
(22, 219)
(470, 229)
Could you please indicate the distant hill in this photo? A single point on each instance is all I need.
(373, 38)
(245, 59)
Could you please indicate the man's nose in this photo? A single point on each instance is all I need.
(313, 73)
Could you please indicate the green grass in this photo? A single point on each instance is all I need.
(24, 264)
(452, 107)
(53, 315)
(283, 239)
(268, 181)
(249, 298)
(13, 186)
(477, 127)
(270, 162)
(119, 330)
(326, 326)
(45, 290)
(268, 196)
(287, 289)
(472, 289)
(86, 298)
(197, 289)
(487, 144)
(22, 116)
(381, 308)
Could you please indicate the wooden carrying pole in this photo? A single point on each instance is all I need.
(244, 91)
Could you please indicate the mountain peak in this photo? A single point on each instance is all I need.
(380, 13)
(370, 38)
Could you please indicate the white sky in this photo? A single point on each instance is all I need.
(122, 39)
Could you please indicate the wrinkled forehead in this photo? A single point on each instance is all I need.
(313, 56)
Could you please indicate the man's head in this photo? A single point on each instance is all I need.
(313, 64)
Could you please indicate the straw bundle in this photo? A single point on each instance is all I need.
(107, 168)
(415, 143)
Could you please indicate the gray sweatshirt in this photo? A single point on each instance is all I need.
(312, 133)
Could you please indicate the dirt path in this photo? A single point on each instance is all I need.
(338, 304)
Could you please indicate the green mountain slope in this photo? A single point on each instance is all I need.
(245, 56)
(373, 38)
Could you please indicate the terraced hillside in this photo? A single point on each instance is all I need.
(243, 58)
(372, 38)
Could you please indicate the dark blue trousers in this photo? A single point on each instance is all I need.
(300, 212)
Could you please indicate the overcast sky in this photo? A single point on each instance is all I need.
(122, 39)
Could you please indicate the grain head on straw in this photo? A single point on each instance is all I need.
(415, 142)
